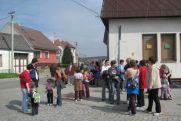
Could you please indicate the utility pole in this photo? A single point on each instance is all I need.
(12, 40)
(119, 39)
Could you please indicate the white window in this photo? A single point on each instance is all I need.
(1, 63)
(46, 54)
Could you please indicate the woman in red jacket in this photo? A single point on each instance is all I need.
(142, 84)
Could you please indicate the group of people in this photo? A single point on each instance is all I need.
(135, 78)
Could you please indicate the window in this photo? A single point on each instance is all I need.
(46, 55)
(1, 61)
(37, 54)
(149, 46)
(168, 47)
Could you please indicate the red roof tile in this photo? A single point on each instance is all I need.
(140, 8)
(36, 38)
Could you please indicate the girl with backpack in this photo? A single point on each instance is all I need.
(132, 86)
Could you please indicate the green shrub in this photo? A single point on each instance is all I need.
(8, 75)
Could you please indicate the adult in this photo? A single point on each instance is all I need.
(34, 72)
(142, 84)
(132, 86)
(59, 75)
(114, 83)
(105, 79)
(70, 72)
(25, 83)
(154, 84)
(97, 74)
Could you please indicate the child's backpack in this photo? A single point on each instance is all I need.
(36, 97)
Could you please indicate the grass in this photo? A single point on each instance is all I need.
(8, 75)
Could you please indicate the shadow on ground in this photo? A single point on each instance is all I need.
(14, 105)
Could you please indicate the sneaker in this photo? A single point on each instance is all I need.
(48, 104)
(138, 108)
(148, 111)
(156, 114)
(75, 100)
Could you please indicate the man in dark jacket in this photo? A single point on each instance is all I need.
(114, 82)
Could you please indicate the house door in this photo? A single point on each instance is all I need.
(21, 61)
(149, 46)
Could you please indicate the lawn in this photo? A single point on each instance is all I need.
(8, 75)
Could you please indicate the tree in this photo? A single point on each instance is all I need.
(67, 56)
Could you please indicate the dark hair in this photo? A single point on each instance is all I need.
(142, 63)
(152, 59)
(132, 63)
(77, 70)
(29, 66)
(113, 62)
(121, 61)
(106, 60)
(34, 60)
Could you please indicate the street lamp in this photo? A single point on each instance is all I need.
(119, 39)
(12, 40)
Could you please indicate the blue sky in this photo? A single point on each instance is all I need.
(65, 18)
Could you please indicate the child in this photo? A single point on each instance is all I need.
(35, 99)
(49, 88)
(164, 82)
(87, 78)
(78, 85)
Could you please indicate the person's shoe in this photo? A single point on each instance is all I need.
(138, 108)
(103, 99)
(75, 100)
(127, 102)
(148, 111)
(48, 104)
(156, 114)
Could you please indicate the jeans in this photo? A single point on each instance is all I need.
(59, 95)
(87, 93)
(114, 89)
(24, 100)
(153, 96)
(105, 84)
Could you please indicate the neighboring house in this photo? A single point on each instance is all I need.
(45, 50)
(23, 53)
(144, 28)
(61, 44)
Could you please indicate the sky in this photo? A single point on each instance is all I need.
(62, 19)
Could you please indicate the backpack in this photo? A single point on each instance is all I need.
(133, 82)
(33, 73)
(36, 97)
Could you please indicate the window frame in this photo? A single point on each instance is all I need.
(174, 59)
(48, 56)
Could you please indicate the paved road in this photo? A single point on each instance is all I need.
(92, 109)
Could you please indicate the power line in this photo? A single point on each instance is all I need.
(82, 5)
(1, 19)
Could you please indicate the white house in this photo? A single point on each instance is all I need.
(143, 28)
(61, 44)
(23, 53)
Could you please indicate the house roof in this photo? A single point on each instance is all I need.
(20, 43)
(140, 8)
(36, 38)
(63, 43)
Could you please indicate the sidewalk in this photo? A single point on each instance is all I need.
(92, 109)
